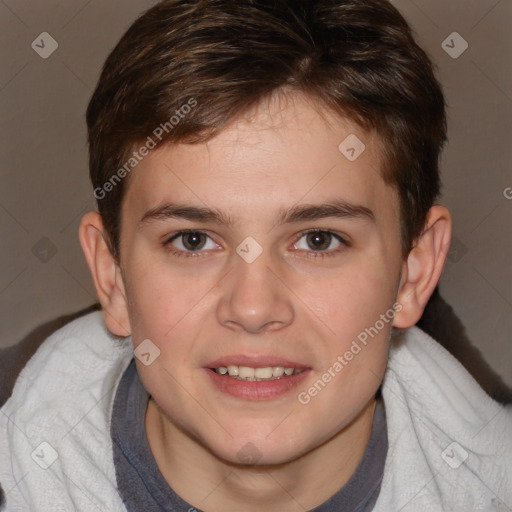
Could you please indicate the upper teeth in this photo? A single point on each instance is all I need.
(245, 372)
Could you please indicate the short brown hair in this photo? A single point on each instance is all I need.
(358, 58)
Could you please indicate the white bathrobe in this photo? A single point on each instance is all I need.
(450, 444)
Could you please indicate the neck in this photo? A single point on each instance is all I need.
(209, 483)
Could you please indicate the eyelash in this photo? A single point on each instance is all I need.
(311, 254)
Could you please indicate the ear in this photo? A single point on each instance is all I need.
(106, 274)
(422, 269)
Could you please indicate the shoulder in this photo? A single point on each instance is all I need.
(60, 408)
(77, 356)
(450, 442)
(436, 384)
(15, 357)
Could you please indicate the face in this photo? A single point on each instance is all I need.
(265, 248)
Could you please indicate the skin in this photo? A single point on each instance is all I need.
(286, 303)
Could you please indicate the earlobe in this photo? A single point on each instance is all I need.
(422, 269)
(106, 274)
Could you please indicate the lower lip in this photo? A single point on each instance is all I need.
(256, 390)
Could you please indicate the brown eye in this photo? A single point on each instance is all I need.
(319, 241)
(193, 241)
(186, 242)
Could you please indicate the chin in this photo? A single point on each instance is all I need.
(255, 451)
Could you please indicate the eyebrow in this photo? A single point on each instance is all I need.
(337, 208)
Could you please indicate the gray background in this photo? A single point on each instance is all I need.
(44, 187)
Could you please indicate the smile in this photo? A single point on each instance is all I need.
(247, 373)
(246, 382)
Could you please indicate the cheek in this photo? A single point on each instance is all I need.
(169, 308)
(160, 297)
(351, 301)
(359, 315)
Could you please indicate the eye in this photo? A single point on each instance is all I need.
(319, 241)
(189, 242)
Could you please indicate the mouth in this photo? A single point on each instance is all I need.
(256, 380)
(258, 374)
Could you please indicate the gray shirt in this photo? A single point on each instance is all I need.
(143, 488)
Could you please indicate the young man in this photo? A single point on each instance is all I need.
(267, 238)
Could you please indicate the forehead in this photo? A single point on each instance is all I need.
(284, 152)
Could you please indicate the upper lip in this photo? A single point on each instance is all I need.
(255, 361)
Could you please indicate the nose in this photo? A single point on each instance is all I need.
(255, 298)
